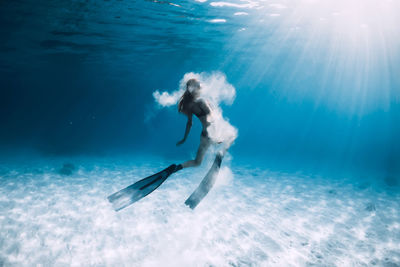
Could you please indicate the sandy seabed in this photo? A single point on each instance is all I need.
(50, 216)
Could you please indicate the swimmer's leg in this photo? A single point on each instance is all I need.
(201, 151)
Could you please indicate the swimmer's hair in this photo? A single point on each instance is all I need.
(187, 97)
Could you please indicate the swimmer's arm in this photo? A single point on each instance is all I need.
(187, 130)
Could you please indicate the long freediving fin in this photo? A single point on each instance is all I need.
(206, 184)
(140, 189)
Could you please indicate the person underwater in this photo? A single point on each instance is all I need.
(191, 104)
(215, 130)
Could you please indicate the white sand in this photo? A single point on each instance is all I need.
(256, 218)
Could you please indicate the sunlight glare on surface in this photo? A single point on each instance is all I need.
(341, 46)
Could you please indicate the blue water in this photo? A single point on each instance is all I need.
(312, 179)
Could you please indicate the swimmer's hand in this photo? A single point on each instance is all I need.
(180, 142)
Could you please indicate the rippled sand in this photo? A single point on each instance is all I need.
(50, 217)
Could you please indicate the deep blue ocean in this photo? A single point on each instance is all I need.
(313, 178)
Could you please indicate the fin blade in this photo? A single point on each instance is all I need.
(206, 184)
(138, 190)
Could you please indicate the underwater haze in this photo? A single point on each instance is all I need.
(88, 93)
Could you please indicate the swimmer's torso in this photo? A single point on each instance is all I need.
(201, 110)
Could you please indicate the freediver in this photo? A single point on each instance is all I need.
(212, 126)
(190, 104)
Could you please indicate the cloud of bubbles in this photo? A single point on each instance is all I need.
(215, 90)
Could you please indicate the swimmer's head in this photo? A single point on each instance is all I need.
(191, 93)
(193, 86)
